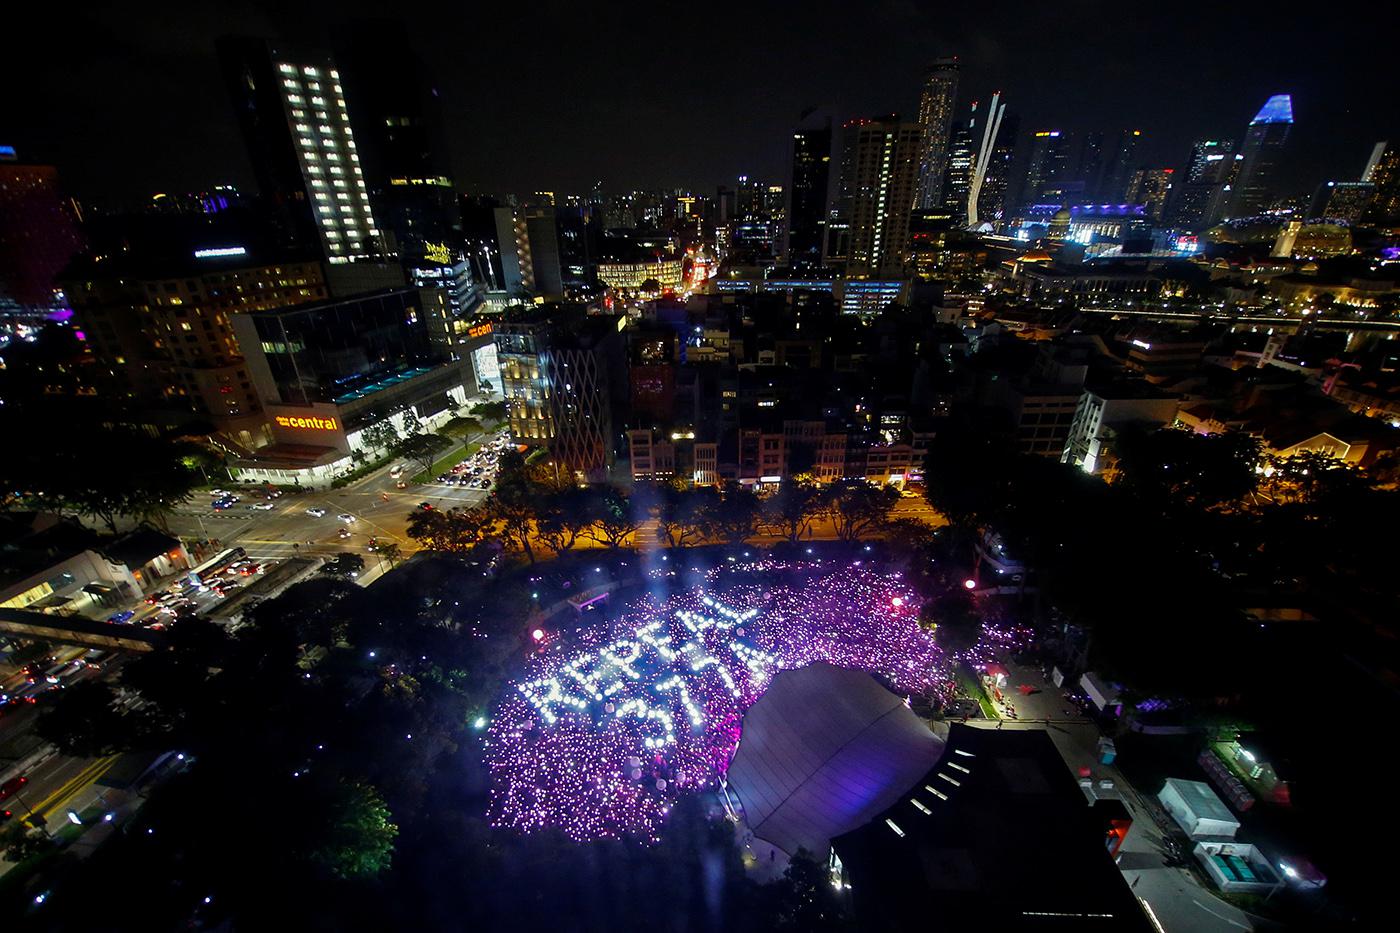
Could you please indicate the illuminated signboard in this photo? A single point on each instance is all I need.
(312, 422)
(220, 251)
(438, 252)
(479, 330)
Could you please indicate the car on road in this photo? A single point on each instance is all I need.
(344, 533)
(346, 517)
(401, 485)
(263, 506)
(219, 493)
(316, 513)
(120, 617)
(13, 786)
(221, 505)
(426, 506)
(397, 471)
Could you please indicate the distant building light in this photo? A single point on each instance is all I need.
(220, 251)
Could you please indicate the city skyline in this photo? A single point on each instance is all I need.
(510, 93)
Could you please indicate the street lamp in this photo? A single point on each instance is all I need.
(970, 583)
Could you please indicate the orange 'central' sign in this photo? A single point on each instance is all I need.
(320, 424)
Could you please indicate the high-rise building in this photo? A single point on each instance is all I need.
(1047, 166)
(1255, 182)
(396, 114)
(985, 150)
(996, 178)
(960, 165)
(1150, 187)
(1383, 171)
(1091, 164)
(292, 110)
(560, 372)
(1198, 200)
(807, 191)
(1119, 163)
(38, 234)
(879, 179)
(161, 329)
(1341, 201)
(936, 104)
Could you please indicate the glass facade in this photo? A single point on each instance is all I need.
(340, 351)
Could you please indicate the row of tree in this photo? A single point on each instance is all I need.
(528, 509)
(68, 465)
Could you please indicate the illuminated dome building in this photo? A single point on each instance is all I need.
(823, 751)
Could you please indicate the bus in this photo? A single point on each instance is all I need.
(201, 575)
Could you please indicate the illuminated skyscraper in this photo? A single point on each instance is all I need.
(1047, 165)
(1259, 157)
(960, 165)
(292, 111)
(1383, 171)
(1120, 161)
(936, 105)
(1198, 199)
(879, 178)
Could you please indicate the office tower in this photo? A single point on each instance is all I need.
(1091, 164)
(1198, 199)
(38, 234)
(292, 111)
(1254, 184)
(1046, 167)
(1383, 171)
(985, 149)
(1150, 187)
(960, 164)
(1341, 201)
(936, 105)
(541, 231)
(807, 189)
(160, 326)
(560, 372)
(396, 115)
(879, 179)
(996, 176)
(1119, 163)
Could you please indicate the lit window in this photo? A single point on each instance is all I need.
(287, 69)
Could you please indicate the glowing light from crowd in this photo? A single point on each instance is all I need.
(605, 732)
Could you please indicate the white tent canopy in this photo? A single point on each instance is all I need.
(822, 752)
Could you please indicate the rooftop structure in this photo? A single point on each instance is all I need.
(823, 751)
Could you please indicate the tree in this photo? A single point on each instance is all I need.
(85, 721)
(562, 516)
(734, 517)
(391, 552)
(858, 507)
(954, 619)
(514, 514)
(969, 475)
(1313, 477)
(421, 450)
(791, 510)
(614, 520)
(454, 530)
(345, 564)
(357, 837)
(1170, 468)
(381, 436)
(490, 412)
(685, 516)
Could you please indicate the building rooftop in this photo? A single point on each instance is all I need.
(997, 835)
(821, 752)
(1277, 109)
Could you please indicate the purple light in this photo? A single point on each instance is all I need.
(601, 739)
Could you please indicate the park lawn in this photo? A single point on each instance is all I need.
(973, 688)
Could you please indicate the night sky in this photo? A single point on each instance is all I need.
(127, 99)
